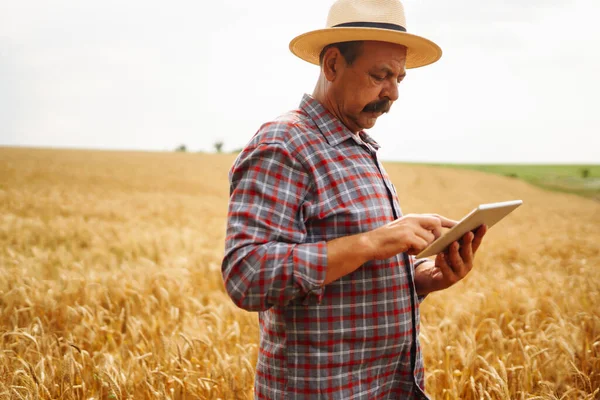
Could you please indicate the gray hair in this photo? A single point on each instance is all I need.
(349, 50)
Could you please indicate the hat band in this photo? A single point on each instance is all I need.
(380, 25)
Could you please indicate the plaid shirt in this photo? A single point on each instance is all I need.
(305, 179)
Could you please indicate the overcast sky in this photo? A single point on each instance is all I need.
(518, 81)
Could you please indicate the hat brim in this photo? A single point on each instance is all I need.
(421, 51)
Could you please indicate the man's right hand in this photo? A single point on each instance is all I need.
(411, 234)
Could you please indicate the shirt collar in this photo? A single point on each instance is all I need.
(334, 131)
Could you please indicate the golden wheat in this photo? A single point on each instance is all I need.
(110, 284)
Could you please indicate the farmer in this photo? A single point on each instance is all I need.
(316, 241)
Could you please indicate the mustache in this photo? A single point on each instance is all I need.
(382, 106)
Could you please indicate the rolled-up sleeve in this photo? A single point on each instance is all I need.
(267, 261)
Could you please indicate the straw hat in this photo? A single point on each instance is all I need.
(380, 20)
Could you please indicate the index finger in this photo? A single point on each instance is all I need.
(433, 223)
(446, 222)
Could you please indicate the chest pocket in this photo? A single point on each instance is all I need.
(350, 197)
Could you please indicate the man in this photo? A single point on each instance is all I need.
(316, 241)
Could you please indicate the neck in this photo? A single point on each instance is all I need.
(323, 96)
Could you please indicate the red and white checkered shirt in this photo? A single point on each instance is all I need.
(305, 179)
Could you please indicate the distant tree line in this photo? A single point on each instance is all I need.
(218, 146)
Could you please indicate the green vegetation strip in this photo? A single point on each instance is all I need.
(583, 180)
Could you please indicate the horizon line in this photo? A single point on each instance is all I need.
(232, 152)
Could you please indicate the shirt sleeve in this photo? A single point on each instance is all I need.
(416, 263)
(267, 261)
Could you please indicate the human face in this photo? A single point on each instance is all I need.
(365, 90)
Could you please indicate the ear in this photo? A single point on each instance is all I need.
(331, 63)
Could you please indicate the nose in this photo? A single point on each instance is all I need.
(390, 90)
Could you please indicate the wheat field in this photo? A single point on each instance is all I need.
(110, 283)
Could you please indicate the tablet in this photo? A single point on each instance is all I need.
(487, 214)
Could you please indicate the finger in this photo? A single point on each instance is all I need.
(428, 236)
(481, 231)
(442, 263)
(431, 223)
(416, 245)
(446, 222)
(456, 262)
(466, 251)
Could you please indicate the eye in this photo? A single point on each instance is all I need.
(378, 78)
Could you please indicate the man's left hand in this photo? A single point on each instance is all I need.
(450, 266)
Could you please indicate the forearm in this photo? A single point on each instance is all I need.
(409, 234)
(345, 255)
(259, 276)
